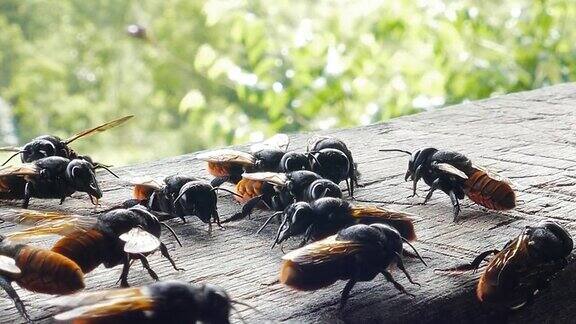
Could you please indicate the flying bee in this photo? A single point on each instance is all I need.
(326, 216)
(356, 253)
(161, 302)
(50, 145)
(270, 155)
(331, 158)
(278, 190)
(523, 267)
(456, 175)
(52, 177)
(180, 196)
(116, 237)
(37, 270)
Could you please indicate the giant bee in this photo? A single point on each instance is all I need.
(270, 155)
(52, 177)
(278, 190)
(331, 158)
(326, 216)
(36, 270)
(457, 176)
(50, 145)
(357, 253)
(180, 196)
(111, 239)
(523, 267)
(161, 302)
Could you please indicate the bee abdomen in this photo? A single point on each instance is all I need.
(12, 187)
(86, 248)
(490, 193)
(310, 278)
(47, 272)
(248, 189)
(219, 169)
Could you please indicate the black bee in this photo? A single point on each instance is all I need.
(331, 158)
(271, 156)
(523, 267)
(37, 270)
(279, 190)
(111, 239)
(50, 145)
(161, 302)
(326, 216)
(457, 176)
(52, 177)
(180, 196)
(357, 253)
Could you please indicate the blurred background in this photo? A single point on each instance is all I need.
(208, 73)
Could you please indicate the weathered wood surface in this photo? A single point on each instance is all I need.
(529, 137)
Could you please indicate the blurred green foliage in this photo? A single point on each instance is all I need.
(213, 72)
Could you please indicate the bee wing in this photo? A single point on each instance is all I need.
(46, 223)
(326, 250)
(98, 129)
(278, 141)
(27, 169)
(143, 188)
(96, 304)
(514, 250)
(401, 221)
(278, 179)
(227, 155)
(139, 241)
(8, 266)
(450, 169)
(494, 175)
(10, 149)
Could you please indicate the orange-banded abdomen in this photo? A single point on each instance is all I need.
(86, 248)
(486, 191)
(47, 272)
(248, 189)
(219, 169)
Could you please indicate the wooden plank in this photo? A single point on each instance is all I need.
(528, 137)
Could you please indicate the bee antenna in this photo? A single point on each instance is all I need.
(311, 154)
(237, 312)
(395, 150)
(246, 305)
(268, 221)
(415, 251)
(276, 241)
(173, 233)
(227, 190)
(11, 157)
(105, 167)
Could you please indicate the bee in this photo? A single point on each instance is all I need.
(278, 190)
(51, 177)
(169, 301)
(50, 145)
(228, 165)
(523, 267)
(37, 270)
(116, 237)
(331, 158)
(180, 196)
(356, 253)
(457, 176)
(326, 216)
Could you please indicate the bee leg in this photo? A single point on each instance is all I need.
(435, 185)
(455, 205)
(5, 284)
(146, 266)
(246, 210)
(64, 198)
(415, 178)
(396, 284)
(125, 270)
(307, 235)
(474, 265)
(400, 266)
(346, 292)
(164, 251)
(350, 187)
(216, 182)
(27, 195)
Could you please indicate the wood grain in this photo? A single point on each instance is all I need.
(529, 137)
